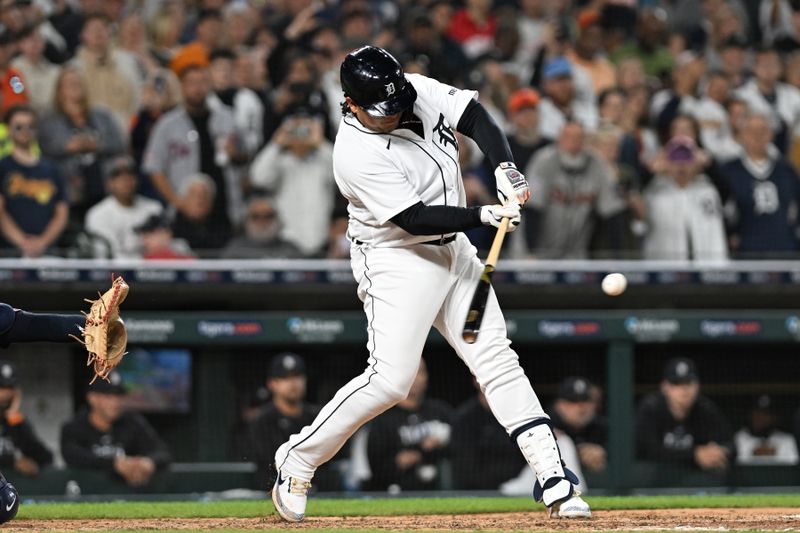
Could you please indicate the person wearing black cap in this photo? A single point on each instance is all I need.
(115, 218)
(104, 437)
(760, 441)
(407, 443)
(157, 242)
(575, 413)
(286, 413)
(678, 426)
(20, 447)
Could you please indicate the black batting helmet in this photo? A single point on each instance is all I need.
(374, 80)
(9, 500)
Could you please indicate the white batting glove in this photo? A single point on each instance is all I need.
(511, 184)
(493, 215)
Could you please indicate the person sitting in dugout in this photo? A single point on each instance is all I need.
(106, 437)
(679, 426)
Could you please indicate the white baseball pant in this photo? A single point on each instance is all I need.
(405, 291)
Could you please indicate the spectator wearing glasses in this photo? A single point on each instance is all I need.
(33, 206)
(261, 238)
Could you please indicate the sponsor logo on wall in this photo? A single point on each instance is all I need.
(149, 330)
(652, 329)
(568, 328)
(315, 329)
(228, 328)
(730, 328)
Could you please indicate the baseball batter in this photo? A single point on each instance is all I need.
(396, 161)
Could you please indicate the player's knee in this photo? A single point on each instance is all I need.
(395, 395)
(7, 315)
(502, 367)
(392, 392)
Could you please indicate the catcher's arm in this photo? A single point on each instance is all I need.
(17, 325)
(104, 335)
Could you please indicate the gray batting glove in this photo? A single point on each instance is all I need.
(493, 215)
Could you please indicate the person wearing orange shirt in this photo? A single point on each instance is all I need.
(12, 84)
(587, 52)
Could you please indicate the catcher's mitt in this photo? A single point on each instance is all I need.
(104, 334)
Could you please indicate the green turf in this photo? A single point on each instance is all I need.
(384, 507)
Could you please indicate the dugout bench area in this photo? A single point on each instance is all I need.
(739, 322)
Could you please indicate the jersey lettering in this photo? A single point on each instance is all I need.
(765, 198)
(445, 133)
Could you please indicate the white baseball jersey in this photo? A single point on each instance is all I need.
(382, 174)
(408, 287)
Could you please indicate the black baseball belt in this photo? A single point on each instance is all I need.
(435, 242)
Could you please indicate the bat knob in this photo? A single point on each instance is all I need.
(469, 336)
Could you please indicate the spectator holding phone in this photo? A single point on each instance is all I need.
(296, 168)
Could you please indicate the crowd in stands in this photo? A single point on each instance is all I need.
(658, 129)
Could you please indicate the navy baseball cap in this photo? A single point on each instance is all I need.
(153, 223)
(575, 389)
(8, 374)
(681, 370)
(764, 402)
(287, 364)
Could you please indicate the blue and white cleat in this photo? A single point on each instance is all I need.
(290, 494)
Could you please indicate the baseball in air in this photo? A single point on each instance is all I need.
(614, 284)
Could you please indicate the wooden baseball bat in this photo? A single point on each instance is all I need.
(472, 324)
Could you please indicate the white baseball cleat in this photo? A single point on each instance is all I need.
(573, 507)
(290, 495)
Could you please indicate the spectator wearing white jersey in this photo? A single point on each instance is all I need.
(561, 103)
(768, 96)
(716, 133)
(296, 168)
(683, 209)
(115, 218)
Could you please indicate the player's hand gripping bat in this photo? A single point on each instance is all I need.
(472, 324)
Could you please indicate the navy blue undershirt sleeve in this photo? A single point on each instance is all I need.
(22, 326)
(477, 124)
(421, 219)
